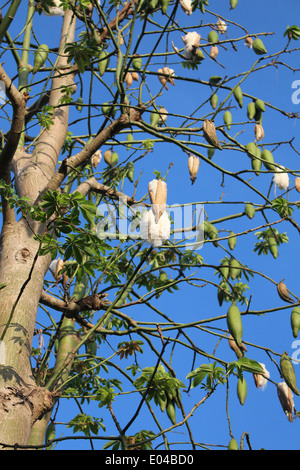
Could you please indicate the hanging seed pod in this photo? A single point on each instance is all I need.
(235, 269)
(268, 160)
(209, 132)
(260, 105)
(170, 73)
(214, 52)
(137, 63)
(103, 63)
(193, 166)
(153, 4)
(96, 158)
(227, 118)
(55, 267)
(259, 47)
(212, 233)
(214, 80)
(135, 76)
(233, 3)
(157, 190)
(232, 240)
(233, 445)
(164, 6)
(221, 26)
(295, 321)
(210, 152)
(163, 80)
(256, 162)
(129, 140)
(239, 351)
(288, 372)
(130, 171)
(273, 246)
(213, 37)
(214, 101)
(284, 293)
(234, 323)
(223, 291)
(242, 390)
(186, 6)
(79, 104)
(40, 57)
(249, 42)
(297, 184)
(251, 110)
(108, 110)
(170, 410)
(199, 55)
(154, 118)
(258, 132)
(107, 157)
(224, 268)
(128, 80)
(249, 210)
(238, 94)
(286, 399)
(163, 114)
(260, 380)
(114, 159)
(251, 149)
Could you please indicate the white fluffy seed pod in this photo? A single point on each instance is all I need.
(286, 399)
(249, 42)
(55, 266)
(221, 26)
(155, 233)
(214, 51)
(96, 158)
(280, 179)
(193, 166)
(191, 43)
(158, 196)
(261, 380)
(258, 132)
(186, 6)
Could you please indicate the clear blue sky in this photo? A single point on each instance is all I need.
(261, 416)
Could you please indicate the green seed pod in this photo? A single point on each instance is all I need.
(79, 104)
(164, 6)
(227, 118)
(295, 321)
(210, 152)
(108, 110)
(212, 233)
(50, 432)
(233, 3)
(251, 110)
(233, 445)
(103, 62)
(238, 94)
(213, 37)
(91, 348)
(40, 57)
(154, 118)
(130, 140)
(214, 101)
(170, 410)
(234, 323)
(273, 246)
(260, 105)
(223, 290)
(232, 240)
(235, 269)
(259, 47)
(199, 54)
(242, 390)
(249, 210)
(215, 79)
(251, 149)
(268, 160)
(256, 162)
(130, 171)
(288, 372)
(224, 268)
(114, 159)
(153, 4)
(137, 63)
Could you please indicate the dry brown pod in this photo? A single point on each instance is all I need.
(135, 76)
(249, 42)
(283, 292)
(128, 79)
(258, 132)
(297, 184)
(239, 351)
(286, 399)
(214, 51)
(158, 196)
(162, 79)
(96, 158)
(210, 135)
(169, 72)
(193, 166)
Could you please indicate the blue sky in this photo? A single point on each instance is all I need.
(261, 416)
